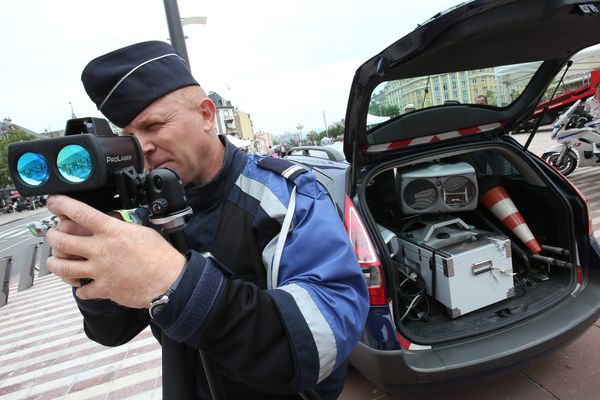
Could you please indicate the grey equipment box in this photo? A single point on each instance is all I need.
(473, 268)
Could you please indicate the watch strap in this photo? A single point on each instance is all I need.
(159, 302)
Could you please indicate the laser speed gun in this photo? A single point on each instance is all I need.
(90, 163)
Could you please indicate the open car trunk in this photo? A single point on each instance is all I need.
(429, 213)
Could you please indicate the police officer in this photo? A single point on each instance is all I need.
(271, 291)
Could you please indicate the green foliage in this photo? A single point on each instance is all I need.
(384, 110)
(335, 130)
(391, 111)
(514, 94)
(10, 137)
(313, 136)
(491, 97)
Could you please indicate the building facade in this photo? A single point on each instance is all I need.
(225, 119)
(263, 142)
(244, 124)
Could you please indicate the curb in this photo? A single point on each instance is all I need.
(8, 218)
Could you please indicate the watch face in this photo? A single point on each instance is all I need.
(158, 304)
(156, 309)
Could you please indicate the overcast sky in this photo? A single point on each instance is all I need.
(284, 62)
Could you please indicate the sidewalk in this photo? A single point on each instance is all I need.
(44, 353)
(16, 216)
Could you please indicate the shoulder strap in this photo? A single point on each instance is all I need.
(273, 277)
(289, 171)
(285, 168)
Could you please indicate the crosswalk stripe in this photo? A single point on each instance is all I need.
(14, 233)
(44, 352)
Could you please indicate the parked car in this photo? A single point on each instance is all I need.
(478, 255)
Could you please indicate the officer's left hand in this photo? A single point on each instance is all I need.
(128, 263)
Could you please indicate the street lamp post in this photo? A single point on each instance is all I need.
(175, 24)
(176, 29)
(299, 127)
(326, 129)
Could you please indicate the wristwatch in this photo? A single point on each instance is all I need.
(159, 302)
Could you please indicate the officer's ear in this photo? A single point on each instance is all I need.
(207, 109)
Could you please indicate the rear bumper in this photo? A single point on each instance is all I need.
(507, 349)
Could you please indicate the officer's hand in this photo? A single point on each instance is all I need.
(67, 226)
(128, 263)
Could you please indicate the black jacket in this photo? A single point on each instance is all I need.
(260, 341)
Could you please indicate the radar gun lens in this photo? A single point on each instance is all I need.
(74, 163)
(33, 169)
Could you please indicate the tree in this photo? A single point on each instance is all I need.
(384, 110)
(514, 93)
(336, 130)
(313, 136)
(390, 111)
(491, 97)
(9, 137)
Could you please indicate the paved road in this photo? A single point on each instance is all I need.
(45, 355)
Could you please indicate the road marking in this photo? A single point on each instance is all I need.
(14, 232)
(39, 358)
(16, 244)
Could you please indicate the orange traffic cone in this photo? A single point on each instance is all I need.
(500, 204)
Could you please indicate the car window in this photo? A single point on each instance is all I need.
(493, 163)
(584, 71)
(495, 86)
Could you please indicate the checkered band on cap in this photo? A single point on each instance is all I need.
(125, 81)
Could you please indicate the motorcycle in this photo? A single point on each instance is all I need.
(39, 228)
(578, 137)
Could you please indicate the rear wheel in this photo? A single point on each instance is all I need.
(567, 165)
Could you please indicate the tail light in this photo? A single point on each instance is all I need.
(365, 253)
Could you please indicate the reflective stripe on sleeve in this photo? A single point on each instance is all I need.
(320, 329)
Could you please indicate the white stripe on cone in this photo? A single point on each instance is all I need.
(504, 208)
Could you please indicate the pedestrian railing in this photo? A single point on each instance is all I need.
(34, 260)
(5, 267)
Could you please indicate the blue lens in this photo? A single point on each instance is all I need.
(74, 163)
(33, 169)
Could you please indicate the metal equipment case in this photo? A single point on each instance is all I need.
(473, 268)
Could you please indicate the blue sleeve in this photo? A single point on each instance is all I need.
(322, 279)
(286, 339)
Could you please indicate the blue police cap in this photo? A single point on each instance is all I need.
(125, 81)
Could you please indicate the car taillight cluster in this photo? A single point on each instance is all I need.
(365, 253)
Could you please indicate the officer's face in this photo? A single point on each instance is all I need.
(176, 131)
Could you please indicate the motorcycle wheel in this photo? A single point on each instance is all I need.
(568, 164)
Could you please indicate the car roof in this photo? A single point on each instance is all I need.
(473, 35)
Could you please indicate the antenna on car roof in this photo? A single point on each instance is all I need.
(539, 120)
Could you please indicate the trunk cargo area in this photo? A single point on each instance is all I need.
(474, 239)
